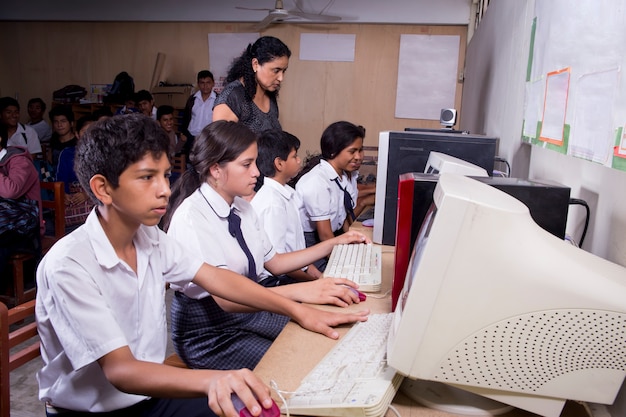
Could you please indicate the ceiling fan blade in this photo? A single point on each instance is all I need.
(252, 8)
(265, 22)
(315, 17)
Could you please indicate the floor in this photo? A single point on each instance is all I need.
(24, 389)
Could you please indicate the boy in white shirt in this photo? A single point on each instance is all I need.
(100, 300)
(276, 203)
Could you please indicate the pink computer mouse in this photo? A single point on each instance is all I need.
(362, 297)
(273, 411)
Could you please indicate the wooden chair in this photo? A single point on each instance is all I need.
(174, 360)
(19, 261)
(180, 164)
(10, 361)
(57, 204)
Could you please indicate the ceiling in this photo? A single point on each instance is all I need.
(455, 12)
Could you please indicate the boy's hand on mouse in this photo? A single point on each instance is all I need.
(322, 322)
(352, 237)
(334, 291)
(247, 386)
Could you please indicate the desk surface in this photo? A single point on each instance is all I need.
(296, 351)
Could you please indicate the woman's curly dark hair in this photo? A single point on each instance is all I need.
(265, 49)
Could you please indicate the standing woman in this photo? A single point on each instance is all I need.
(208, 331)
(254, 80)
(329, 191)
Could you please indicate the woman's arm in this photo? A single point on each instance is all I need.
(223, 112)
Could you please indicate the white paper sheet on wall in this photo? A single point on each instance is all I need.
(327, 47)
(223, 48)
(533, 107)
(427, 75)
(593, 116)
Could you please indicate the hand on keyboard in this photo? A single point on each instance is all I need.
(322, 322)
(332, 291)
(351, 236)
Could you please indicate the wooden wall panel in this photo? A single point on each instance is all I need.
(45, 56)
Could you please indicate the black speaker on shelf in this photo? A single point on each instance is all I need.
(447, 117)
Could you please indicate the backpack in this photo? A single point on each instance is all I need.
(69, 94)
(123, 87)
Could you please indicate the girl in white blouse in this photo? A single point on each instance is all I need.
(207, 331)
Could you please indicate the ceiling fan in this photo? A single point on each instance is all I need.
(280, 14)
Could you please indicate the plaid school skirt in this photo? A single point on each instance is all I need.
(207, 337)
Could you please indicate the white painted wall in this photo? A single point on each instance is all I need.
(493, 103)
(455, 12)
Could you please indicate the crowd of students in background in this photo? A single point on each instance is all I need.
(232, 208)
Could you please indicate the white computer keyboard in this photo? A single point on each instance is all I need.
(358, 262)
(353, 379)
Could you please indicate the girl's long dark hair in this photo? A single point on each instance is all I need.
(219, 143)
(265, 49)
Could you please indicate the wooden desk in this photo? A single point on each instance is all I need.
(296, 351)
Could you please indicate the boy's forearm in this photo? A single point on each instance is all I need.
(133, 376)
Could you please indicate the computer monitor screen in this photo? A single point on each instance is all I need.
(497, 306)
(401, 152)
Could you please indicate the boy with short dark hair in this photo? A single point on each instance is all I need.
(165, 117)
(62, 118)
(276, 203)
(100, 300)
(19, 133)
(36, 110)
(145, 103)
(199, 108)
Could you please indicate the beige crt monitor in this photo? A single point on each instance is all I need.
(439, 162)
(495, 305)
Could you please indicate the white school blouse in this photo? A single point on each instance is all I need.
(322, 199)
(200, 224)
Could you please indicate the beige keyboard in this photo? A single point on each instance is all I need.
(358, 262)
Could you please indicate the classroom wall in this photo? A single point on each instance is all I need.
(50, 55)
(493, 101)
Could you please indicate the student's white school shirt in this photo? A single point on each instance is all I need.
(277, 205)
(200, 224)
(31, 142)
(89, 303)
(322, 199)
(201, 112)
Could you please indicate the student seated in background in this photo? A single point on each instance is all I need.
(165, 117)
(19, 133)
(199, 108)
(62, 118)
(77, 202)
(36, 110)
(130, 106)
(209, 217)
(276, 203)
(329, 190)
(21, 223)
(100, 300)
(145, 103)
